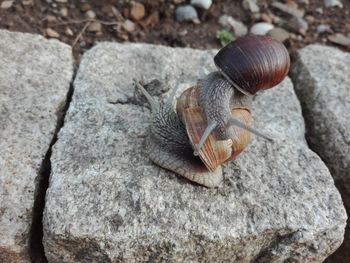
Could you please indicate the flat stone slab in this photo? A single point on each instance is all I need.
(322, 81)
(107, 202)
(35, 75)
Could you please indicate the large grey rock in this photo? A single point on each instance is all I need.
(35, 75)
(107, 202)
(322, 82)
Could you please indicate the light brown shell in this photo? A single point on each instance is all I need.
(214, 152)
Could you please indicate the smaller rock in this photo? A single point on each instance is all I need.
(51, 19)
(94, 27)
(186, 13)
(319, 10)
(137, 11)
(332, 3)
(151, 20)
(128, 26)
(183, 32)
(323, 28)
(6, 4)
(52, 33)
(90, 14)
(277, 20)
(61, 1)
(340, 39)
(69, 32)
(261, 28)
(289, 9)
(279, 34)
(229, 22)
(297, 25)
(64, 11)
(251, 5)
(266, 18)
(310, 18)
(27, 2)
(204, 4)
(85, 7)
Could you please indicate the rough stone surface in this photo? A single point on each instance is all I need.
(35, 75)
(322, 82)
(107, 202)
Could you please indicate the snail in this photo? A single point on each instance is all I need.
(212, 121)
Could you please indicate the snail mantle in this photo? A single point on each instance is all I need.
(107, 202)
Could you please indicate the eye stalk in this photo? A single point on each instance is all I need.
(253, 63)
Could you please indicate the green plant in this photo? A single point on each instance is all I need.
(224, 37)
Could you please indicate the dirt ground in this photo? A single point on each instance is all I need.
(69, 21)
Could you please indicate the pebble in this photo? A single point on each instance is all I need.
(261, 28)
(229, 22)
(310, 18)
(323, 28)
(186, 13)
(151, 20)
(204, 4)
(289, 9)
(94, 27)
(27, 2)
(52, 33)
(90, 14)
(279, 34)
(6, 4)
(61, 1)
(64, 11)
(51, 19)
(128, 26)
(331, 3)
(85, 7)
(340, 39)
(297, 25)
(319, 10)
(137, 11)
(69, 32)
(251, 5)
(265, 18)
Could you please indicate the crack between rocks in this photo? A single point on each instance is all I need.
(36, 246)
(297, 67)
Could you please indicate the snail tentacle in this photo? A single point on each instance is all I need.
(171, 97)
(239, 124)
(205, 135)
(152, 102)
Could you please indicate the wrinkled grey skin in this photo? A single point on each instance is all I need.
(217, 97)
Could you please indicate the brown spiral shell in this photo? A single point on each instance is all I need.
(214, 152)
(253, 63)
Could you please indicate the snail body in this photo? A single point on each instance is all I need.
(212, 121)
